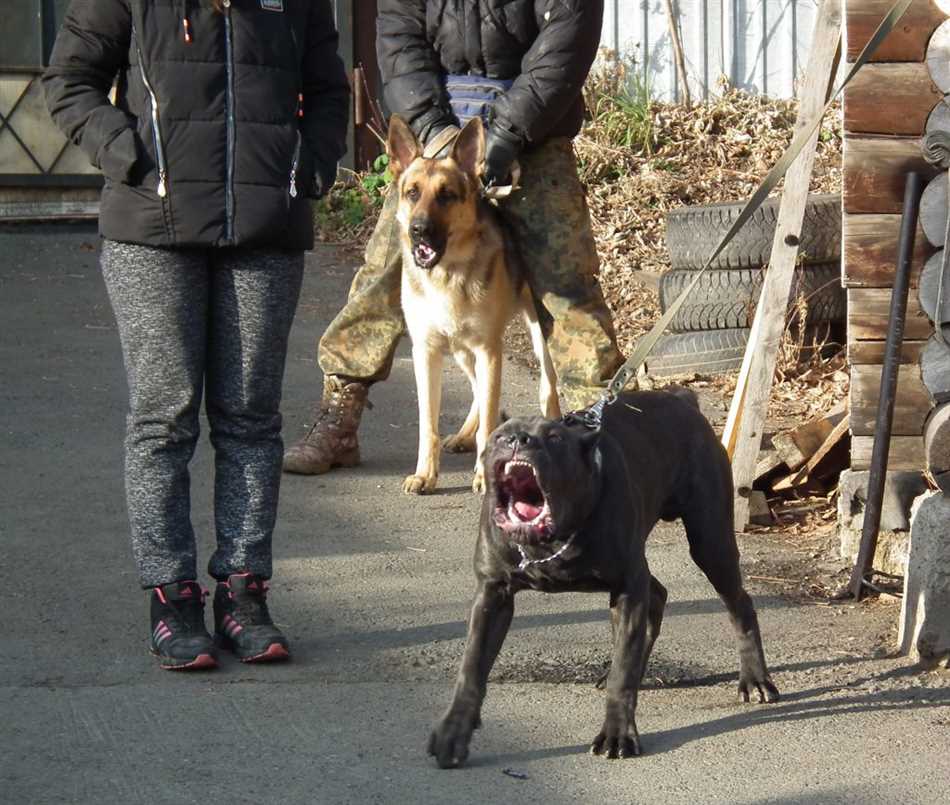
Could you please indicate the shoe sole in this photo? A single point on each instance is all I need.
(275, 652)
(203, 662)
(322, 469)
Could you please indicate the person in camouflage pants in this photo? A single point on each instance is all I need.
(549, 217)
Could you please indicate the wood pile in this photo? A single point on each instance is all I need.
(889, 108)
(803, 461)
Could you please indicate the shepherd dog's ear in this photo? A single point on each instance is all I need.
(402, 146)
(469, 148)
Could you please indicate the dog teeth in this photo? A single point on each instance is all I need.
(517, 463)
(514, 517)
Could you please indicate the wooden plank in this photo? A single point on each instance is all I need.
(874, 171)
(911, 404)
(869, 310)
(835, 441)
(769, 323)
(870, 251)
(873, 352)
(890, 99)
(796, 446)
(906, 453)
(907, 42)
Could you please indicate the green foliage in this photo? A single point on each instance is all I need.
(618, 97)
(351, 204)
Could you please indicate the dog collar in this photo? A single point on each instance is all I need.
(589, 417)
(525, 562)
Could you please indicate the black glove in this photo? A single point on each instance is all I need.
(501, 150)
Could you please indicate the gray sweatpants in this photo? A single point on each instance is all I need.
(216, 319)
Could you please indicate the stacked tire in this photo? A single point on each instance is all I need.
(710, 331)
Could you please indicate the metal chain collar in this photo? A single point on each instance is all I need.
(525, 562)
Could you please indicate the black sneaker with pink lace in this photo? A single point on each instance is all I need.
(179, 638)
(242, 623)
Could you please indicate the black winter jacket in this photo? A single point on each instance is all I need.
(547, 46)
(222, 125)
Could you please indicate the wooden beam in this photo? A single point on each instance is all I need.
(937, 441)
(935, 370)
(869, 310)
(890, 99)
(906, 453)
(875, 168)
(872, 352)
(769, 323)
(933, 211)
(870, 251)
(907, 42)
(928, 289)
(911, 403)
(938, 57)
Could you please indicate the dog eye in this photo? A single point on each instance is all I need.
(413, 193)
(554, 436)
(446, 196)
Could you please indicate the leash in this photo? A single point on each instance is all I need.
(592, 416)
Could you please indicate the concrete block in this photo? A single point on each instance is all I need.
(925, 610)
(900, 490)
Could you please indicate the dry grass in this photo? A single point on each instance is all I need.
(714, 152)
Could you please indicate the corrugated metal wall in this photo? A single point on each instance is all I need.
(759, 45)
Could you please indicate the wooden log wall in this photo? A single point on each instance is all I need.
(886, 113)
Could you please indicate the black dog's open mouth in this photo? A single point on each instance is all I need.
(520, 503)
(425, 255)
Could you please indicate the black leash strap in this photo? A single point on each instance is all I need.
(646, 344)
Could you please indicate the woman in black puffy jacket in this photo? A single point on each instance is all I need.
(229, 115)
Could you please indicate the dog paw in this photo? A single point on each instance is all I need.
(449, 741)
(459, 444)
(763, 690)
(617, 741)
(418, 484)
(478, 483)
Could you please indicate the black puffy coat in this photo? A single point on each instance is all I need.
(208, 143)
(547, 46)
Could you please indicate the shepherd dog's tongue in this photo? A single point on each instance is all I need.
(527, 511)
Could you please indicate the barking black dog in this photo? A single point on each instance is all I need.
(568, 508)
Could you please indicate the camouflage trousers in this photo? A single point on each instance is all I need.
(551, 223)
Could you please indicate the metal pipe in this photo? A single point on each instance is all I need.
(913, 189)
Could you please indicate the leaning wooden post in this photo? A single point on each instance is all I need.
(743, 436)
(678, 51)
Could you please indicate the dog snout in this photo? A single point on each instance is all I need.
(520, 439)
(420, 228)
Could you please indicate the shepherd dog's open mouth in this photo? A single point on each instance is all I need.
(425, 254)
(520, 503)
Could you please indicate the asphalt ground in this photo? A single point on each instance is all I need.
(373, 587)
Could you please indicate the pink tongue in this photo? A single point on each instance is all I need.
(526, 511)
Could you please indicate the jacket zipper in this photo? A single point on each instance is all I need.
(229, 104)
(162, 188)
(293, 166)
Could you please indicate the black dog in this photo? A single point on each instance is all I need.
(569, 508)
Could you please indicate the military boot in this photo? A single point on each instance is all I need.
(331, 441)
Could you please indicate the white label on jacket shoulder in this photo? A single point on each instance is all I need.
(272, 5)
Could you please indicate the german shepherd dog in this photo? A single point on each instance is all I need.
(461, 285)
